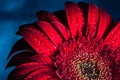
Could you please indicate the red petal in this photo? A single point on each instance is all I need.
(75, 18)
(51, 32)
(93, 16)
(84, 7)
(104, 22)
(39, 75)
(37, 40)
(65, 32)
(46, 16)
(113, 38)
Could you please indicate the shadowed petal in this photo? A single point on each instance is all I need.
(61, 15)
(20, 58)
(46, 16)
(104, 22)
(84, 7)
(113, 38)
(17, 47)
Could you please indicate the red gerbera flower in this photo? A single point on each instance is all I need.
(81, 42)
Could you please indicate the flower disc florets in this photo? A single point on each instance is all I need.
(81, 60)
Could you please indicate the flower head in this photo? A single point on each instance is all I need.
(81, 42)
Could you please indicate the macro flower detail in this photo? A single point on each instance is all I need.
(81, 42)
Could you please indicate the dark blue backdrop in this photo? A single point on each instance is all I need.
(14, 13)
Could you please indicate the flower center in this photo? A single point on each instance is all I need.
(89, 70)
(82, 61)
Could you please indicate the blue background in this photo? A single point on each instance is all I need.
(14, 13)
